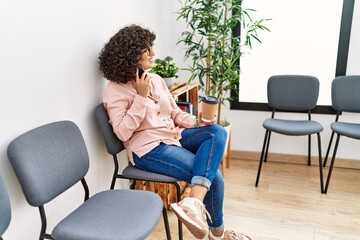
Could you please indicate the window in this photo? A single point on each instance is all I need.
(310, 37)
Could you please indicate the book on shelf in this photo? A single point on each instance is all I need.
(183, 107)
(186, 107)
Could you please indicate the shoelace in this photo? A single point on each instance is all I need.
(204, 211)
(230, 234)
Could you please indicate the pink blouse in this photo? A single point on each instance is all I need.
(143, 123)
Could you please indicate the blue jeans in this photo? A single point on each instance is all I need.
(196, 162)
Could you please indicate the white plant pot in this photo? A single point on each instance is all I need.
(169, 81)
(227, 126)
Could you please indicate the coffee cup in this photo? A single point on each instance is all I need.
(209, 108)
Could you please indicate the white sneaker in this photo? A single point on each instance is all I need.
(192, 213)
(229, 235)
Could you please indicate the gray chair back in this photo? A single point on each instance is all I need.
(112, 142)
(5, 208)
(293, 92)
(345, 93)
(48, 160)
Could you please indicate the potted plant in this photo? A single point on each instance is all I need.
(212, 47)
(167, 69)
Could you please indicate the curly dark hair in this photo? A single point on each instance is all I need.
(119, 57)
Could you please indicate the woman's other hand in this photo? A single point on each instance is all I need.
(203, 124)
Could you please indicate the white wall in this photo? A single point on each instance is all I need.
(48, 70)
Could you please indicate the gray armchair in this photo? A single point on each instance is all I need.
(5, 208)
(345, 95)
(292, 93)
(49, 160)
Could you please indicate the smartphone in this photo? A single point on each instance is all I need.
(141, 71)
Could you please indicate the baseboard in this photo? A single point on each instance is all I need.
(291, 158)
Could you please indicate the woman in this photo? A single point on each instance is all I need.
(159, 136)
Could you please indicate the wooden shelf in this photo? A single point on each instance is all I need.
(186, 92)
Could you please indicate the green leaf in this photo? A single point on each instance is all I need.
(209, 43)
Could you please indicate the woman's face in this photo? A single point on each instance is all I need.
(146, 59)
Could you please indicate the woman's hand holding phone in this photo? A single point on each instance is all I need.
(142, 83)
